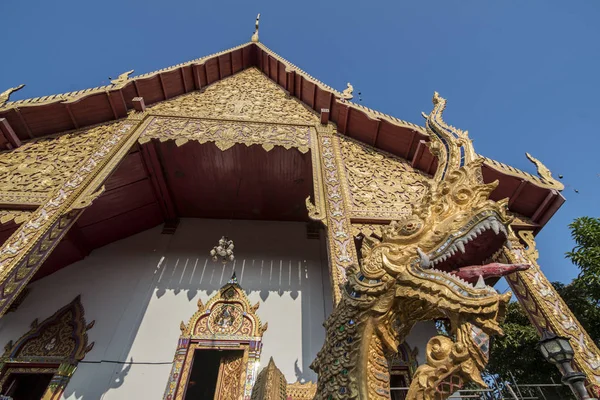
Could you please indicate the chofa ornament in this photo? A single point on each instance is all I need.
(433, 264)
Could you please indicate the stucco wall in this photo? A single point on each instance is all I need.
(139, 290)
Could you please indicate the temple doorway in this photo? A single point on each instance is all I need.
(215, 375)
(399, 386)
(26, 386)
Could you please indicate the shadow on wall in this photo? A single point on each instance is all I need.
(94, 391)
(266, 277)
(273, 261)
(194, 277)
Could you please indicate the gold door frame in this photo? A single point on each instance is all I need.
(243, 331)
(189, 362)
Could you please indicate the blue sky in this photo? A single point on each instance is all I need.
(519, 75)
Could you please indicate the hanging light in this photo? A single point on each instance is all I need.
(223, 250)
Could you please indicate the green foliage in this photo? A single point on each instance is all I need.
(516, 352)
(586, 255)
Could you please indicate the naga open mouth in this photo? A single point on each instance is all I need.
(470, 253)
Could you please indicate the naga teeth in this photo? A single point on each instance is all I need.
(509, 244)
(480, 283)
(495, 226)
(424, 259)
(461, 247)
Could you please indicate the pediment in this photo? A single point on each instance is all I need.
(248, 95)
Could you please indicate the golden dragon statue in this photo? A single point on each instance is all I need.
(435, 264)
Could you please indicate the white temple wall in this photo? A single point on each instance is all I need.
(140, 289)
(419, 336)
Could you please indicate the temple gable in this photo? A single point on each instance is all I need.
(248, 95)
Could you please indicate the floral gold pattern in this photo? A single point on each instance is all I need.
(225, 134)
(248, 96)
(31, 172)
(378, 184)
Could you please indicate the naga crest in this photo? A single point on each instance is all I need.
(433, 264)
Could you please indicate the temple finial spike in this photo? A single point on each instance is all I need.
(255, 35)
(233, 278)
(5, 96)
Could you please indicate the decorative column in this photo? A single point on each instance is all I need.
(24, 252)
(547, 310)
(342, 250)
(59, 381)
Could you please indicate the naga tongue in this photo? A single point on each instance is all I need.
(472, 273)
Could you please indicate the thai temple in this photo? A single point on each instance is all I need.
(233, 228)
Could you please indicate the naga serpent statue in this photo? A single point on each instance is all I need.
(432, 265)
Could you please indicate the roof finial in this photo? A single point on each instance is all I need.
(347, 93)
(255, 36)
(233, 279)
(4, 96)
(119, 80)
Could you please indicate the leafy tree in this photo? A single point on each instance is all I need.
(586, 255)
(516, 352)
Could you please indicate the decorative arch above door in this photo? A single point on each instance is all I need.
(53, 347)
(227, 322)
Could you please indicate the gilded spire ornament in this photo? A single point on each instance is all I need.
(5, 96)
(121, 79)
(544, 173)
(254, 38)
(347, 93)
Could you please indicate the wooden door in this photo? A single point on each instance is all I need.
(231, 376)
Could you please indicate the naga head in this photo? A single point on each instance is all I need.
(445, 252)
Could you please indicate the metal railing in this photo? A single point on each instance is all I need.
(504, 391)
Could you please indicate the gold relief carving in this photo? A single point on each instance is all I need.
(301, 391)
(224, 315)
(17, 216)
(225, 134)
(397, 281)
(379, 185)
(22, 254)
(31, 172)
(229, 384)
(228, 322)
(546, 308)
(367, 229)
(62, 336)
(60, 339)
(270, 384)
(340, 240)
(248, 96)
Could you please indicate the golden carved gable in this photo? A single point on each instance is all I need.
(248, 95)
(377, 184)
(31, 172)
